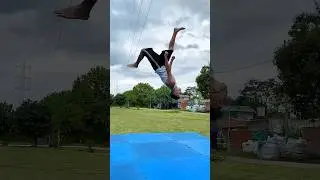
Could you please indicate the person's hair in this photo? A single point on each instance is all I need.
(173, 96)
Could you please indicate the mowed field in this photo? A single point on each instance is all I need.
(124, 120)
(66, 164)
(17, 163)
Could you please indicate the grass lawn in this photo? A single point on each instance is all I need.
(242, 171)
(52, 164)
(125, 120)
(67, 164)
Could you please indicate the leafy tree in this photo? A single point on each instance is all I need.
(194, 94)
(120, 100)
(190, 91)
(203, 81)
(59, 104)
(33, 120)
(257, 92)
(131, 98)
(91, 95)
(97, 80)
(162, 97)
(111, 99)
(143, 93)
(298, 63)
(6, 118)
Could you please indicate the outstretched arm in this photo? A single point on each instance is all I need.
(166, 62)
(171, 61)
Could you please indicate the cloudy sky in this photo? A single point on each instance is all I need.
(247, 32)
(242, 33)
(57, 50)
(152, 27)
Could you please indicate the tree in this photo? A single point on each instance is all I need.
(111, 99)
(143, 93)
(162, 97)
(59, 104)
(190, 91)
(33, 120)
(259, 92)
(194, 94)
(131, 98)
(119, 100)
(91, 96)
(6, 118)
(97, 80)
(203, 82)
(298, 64)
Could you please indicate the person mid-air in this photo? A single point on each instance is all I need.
(162, 65)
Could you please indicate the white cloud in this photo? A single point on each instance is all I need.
(157, 32)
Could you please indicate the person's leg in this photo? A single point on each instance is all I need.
(173, 37)
(80, 11)
(139, 59)
(152, 56)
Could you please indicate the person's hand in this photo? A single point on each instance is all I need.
(173, 58)
(166, 53)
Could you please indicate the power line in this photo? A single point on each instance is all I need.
(244, 67)
(144, 23)
(134, 33)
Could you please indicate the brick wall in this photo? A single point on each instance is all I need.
(183, 104)
(238, 137)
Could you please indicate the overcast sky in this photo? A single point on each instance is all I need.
(131, 31)
(243, 33)
(247, 32)
(56, 49)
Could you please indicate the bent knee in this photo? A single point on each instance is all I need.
(145, 49)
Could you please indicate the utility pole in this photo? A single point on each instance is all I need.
(24, 77)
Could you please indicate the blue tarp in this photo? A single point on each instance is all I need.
(160, 156)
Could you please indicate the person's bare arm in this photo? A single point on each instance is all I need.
(171, 61)
(166, 63)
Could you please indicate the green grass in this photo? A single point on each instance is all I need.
(124, 120)
(242, 171)
(52, 164)
(67, 164)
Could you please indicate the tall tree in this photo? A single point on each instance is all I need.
(162, 97)
(131, 98)
(259, 92)
(143, 93)
(193, 93)
(119, 100)
(111, 99)
(59, 104)
(203, 81)
(33, 120)
(91, 93)
(6, 118)
(298, 63)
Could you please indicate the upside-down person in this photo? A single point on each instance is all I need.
(162, 64)
(80, 11)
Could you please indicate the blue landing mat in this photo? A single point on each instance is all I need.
(160, 156)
